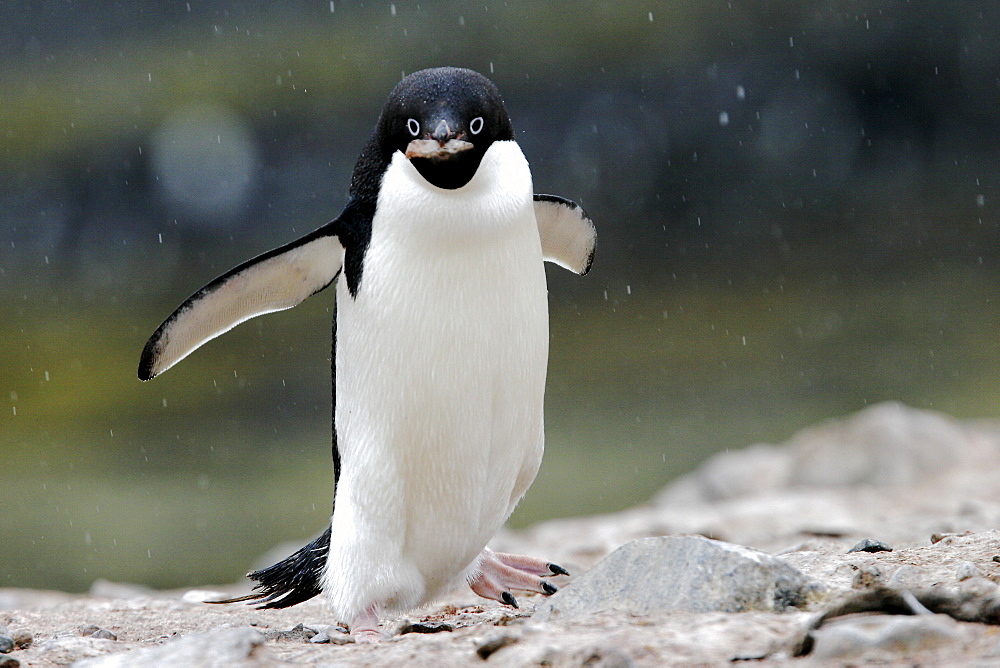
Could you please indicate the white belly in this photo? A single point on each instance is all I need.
(441, 364)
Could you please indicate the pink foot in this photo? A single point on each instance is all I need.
(500, 572)
(364, 628)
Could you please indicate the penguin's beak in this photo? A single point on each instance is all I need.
(443, 143)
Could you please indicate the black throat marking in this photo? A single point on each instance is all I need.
(470, 106)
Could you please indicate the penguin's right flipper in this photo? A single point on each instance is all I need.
(567, 233)
(274, 281)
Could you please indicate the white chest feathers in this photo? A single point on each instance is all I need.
(441, 362)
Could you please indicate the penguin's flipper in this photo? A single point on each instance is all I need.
(274, 281)
(568, 235)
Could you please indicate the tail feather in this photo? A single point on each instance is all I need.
(290, 581)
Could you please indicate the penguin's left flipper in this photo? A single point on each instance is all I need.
(274, 281)
(568, 235)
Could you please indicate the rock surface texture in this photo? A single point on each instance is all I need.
(866, 540)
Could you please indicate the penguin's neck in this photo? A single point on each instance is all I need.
(482, 211)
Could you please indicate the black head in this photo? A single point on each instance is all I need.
(443, 120)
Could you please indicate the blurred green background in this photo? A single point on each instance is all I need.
(796, 204)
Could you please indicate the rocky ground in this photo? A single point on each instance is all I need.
(865, 540)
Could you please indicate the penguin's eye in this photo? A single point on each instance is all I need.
(476, 126)
(413, 126)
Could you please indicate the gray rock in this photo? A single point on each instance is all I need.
(6, 644)
(320, 638)
(731, 474)
(91, 631)
(689, 573)
(886, 445)
(223, 647)
(883, 636)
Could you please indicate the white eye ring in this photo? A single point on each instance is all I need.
(476, 126)
(413, 126)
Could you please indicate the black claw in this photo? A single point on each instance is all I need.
(507, 598)
(548, 589)
(558, 570)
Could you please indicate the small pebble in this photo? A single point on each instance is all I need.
(9, 662)
(938, 537)
(424, 627)
(6, 644)
(871, 545)
(97, 632)
(996, 558)
(326, 633)
(741, 658)
(22, 638)
(494, 645)
(604, 657)
(967, 570)
(905, 577)
(297, 633)
(868, 575)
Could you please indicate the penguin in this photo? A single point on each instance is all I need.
(440, 353)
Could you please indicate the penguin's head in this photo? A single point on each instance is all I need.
(444, 120)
